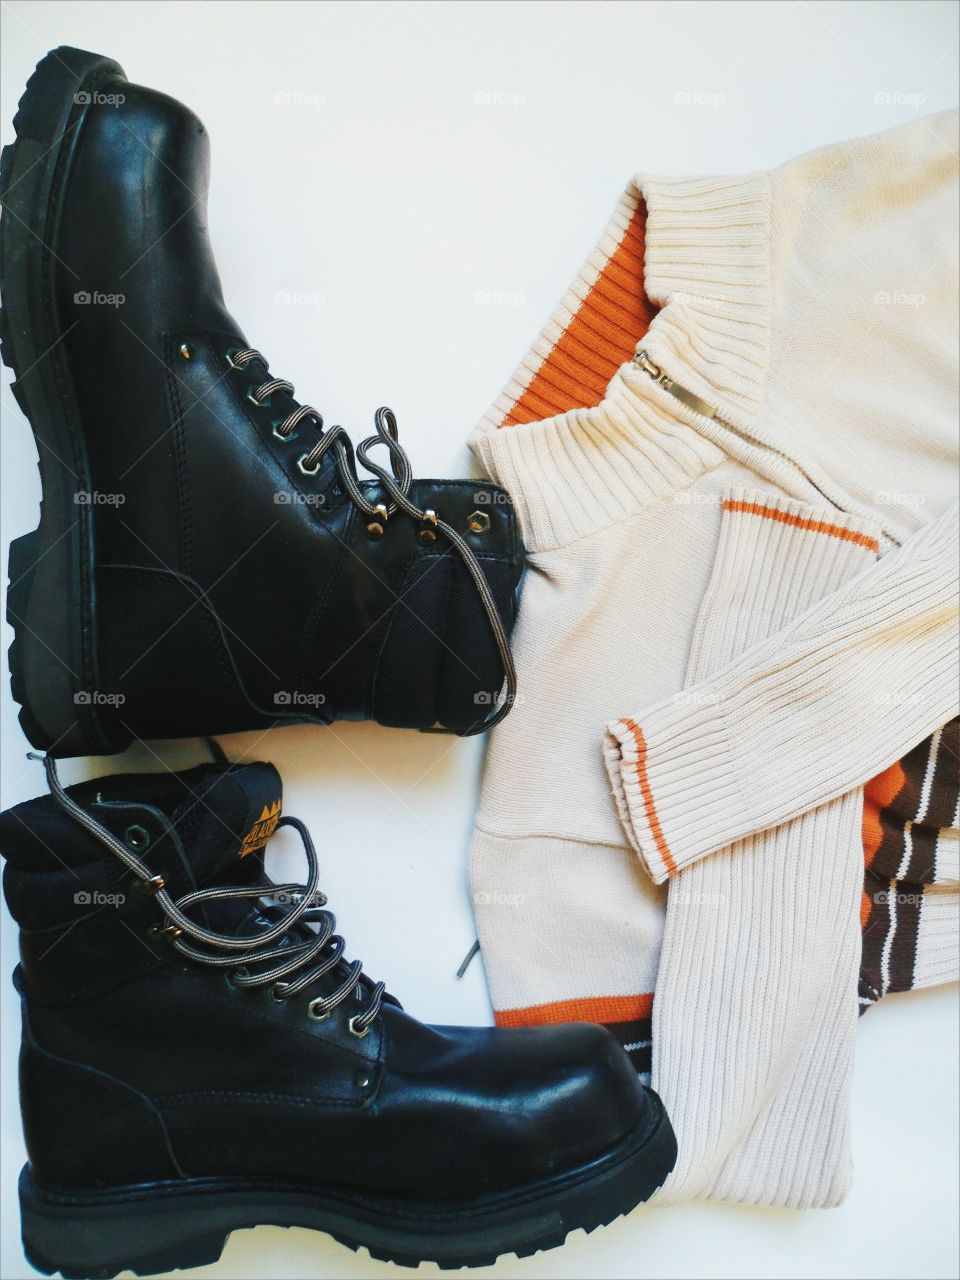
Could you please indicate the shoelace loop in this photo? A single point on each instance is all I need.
(396, 484)
(292, 963)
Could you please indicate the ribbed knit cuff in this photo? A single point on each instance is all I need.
(675, 783)
(686, 775)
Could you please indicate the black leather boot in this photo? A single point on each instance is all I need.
(206, 559)
(196, 1058)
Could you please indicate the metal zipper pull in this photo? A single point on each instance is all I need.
(642, 361)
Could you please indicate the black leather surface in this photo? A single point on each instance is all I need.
(232, 589)
(137, 1060)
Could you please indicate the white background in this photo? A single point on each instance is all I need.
(378, 171)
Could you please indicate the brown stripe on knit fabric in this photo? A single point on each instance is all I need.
(890, 920)
(924, 784)
(884, 849)
(875, 925)
(916, 765)
(904, 810)
(922, 841)
(635, 1037)
(902, 957)
(882, 833)
(601, 336)
(945, 792)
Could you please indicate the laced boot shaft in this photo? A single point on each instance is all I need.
(199, 1055)
(207, 559)
(287, 958)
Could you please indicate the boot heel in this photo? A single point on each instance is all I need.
(52, 659)
(87, 1241)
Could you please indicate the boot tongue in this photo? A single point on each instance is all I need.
(230, 815)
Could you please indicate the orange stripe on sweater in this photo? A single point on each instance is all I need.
(878, 794)
(603, 1009)
(601, 336)
(815, 526)
(659, 838)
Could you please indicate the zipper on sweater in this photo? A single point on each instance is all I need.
(706, 410)
(642, 361)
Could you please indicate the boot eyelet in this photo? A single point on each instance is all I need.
(378, 522)
(163, 933)
(287, 436)
(478, 522)
(308, 471)
(277, 993)
(186, 351)
(352, 1026)
(148, 888)
(137, 837)
(428, 529)
(231, 978)
(316, 1015)
(230, 353)
(261, 404)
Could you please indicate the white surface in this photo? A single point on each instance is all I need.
(440, 171)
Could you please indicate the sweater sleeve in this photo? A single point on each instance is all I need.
(817, 709)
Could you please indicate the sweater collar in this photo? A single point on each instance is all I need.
(581, 436)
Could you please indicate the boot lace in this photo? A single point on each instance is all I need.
(285, 961)
(396, 484)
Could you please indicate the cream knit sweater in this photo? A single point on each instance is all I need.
(741, 607)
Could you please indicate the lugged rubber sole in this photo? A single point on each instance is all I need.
(50, 601)
(173, 1225)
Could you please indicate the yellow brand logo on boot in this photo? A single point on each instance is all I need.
(262, 829)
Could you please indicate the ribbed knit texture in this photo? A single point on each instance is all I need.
(603, 315)
(761, 947)
(759, 602)
(808, 714)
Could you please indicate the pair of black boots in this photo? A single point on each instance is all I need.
(198, 1052)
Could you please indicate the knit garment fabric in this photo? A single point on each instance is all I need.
(740, 611)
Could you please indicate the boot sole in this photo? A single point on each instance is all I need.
(50, 601)
(159, 1227)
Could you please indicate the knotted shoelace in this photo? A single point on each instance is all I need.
(285, 961)
(396, 484)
